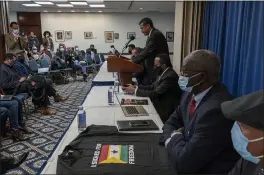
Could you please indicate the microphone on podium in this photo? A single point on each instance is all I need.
(131, 38)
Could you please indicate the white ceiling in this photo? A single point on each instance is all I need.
(110, 6)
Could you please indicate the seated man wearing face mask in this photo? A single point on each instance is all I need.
(91, 49)
(248, 132)
(19, 65)
(164, 92)
(34, 55)
(12, 83)
(197, 135)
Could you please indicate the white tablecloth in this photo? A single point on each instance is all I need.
(98, 112)
(103, 75)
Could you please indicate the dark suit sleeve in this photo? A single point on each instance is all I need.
(207, 141)
(146, 52)
(173, 123)
(237, 169)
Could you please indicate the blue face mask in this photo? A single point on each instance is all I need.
(15, 31)
(240, 143)
(184, 81)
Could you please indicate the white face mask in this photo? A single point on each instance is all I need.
(34, 51)
(61, 49)
(48, 50)
(76, 49)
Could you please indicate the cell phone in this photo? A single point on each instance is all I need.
(138, 123)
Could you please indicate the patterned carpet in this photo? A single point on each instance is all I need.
(47, 130)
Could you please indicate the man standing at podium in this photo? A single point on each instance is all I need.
(156, 44)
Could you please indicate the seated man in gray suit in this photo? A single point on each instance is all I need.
(13, 40)
(197, 135)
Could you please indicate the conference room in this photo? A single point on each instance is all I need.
(131, 87)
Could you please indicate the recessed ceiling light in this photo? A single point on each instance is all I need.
(97, 5)
(45, 3)
(86, 11)
(32, 5)
(99, 11)
(72, 10)
(59, 0)
(78, 3)
(45, 11)
(58, 11)
(141, 8)
(20, 0)
(64, 5)
(91, 1)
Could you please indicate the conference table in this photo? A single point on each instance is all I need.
(99, 112)
(103, 77)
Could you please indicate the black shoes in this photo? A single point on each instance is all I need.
(8, 163)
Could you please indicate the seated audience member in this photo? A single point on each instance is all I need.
(197, 135)
(15, 115)
(248, 132)
(12, 83)
(113, 51)
(34, 54)
(19, 65)
(130, 48)
(47, 40)
(8, 163)
(33, 41)
(91, 49)
(165, 92)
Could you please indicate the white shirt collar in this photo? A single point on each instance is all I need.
(163, 73)
(150, 32)
(198, 98)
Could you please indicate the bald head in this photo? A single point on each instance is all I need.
(203, 61)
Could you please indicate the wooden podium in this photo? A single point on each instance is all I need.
(124, 67)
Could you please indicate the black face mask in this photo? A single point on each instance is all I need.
(21, 59)
(130, 52)
(158, 70)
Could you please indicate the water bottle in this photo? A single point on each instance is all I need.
(81, 119)
(116, 85)
(110, 96)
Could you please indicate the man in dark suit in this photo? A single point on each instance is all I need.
(165, 92)
(197, 135)
(247, 132)
(156, 44)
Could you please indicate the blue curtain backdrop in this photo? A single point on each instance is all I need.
(235, 32)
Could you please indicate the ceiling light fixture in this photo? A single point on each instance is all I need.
(59, 11)
(86, 11)
(32, 5)
(45, 3)
(45, 11)
(99, 11)
(59, 0)
(97, 5)
(141, 8)
(94, 1)
(20, 0)
(79, 3)
(64, 5)
(72, 10)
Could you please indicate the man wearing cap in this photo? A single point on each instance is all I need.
(248, 132)
(12, 83)
(197, 135)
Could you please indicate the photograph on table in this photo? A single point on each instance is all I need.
(170, 36)
(116, 35)
(129, 34)
(68, 34)
(88, 35)
(59, 36)
(109, 36)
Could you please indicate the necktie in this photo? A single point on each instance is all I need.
(192, 106)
